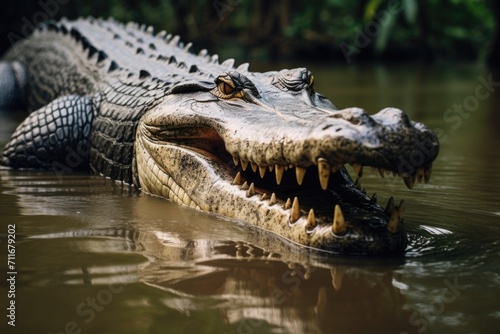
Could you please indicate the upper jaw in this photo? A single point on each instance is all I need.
(387, 141)
(302, 137)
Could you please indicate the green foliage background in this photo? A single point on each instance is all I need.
(286, 29)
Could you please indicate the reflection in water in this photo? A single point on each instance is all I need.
(98, 254)
(251, 279)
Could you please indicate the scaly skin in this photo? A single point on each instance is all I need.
(263, 148)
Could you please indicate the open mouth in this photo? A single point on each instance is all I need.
(325, 195)
(319, 199)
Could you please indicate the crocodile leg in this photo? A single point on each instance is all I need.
(12, 86)
(53, 137)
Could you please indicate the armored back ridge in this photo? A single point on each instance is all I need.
(264, 148)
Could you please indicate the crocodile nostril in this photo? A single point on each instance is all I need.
(350, 118)
(354, 116)
(391, 116)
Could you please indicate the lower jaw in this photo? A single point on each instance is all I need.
(207, 186)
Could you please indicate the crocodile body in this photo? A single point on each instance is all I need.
(264, 148)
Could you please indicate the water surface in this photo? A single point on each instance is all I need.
(94, 256)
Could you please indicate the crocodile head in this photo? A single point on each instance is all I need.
(267, 149)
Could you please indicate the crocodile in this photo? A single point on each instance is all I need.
(263, 148)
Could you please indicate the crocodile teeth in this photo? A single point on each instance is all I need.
(279, 173)
(264, 197)
(236, 161)
(427, 174)
(420, 174)
(262, 171)
(390, 206)
(374, 199)
(358, 169)
(381, 172)
(339, 227)
(237, 179)
(272, 201)
(271, 168)
(244, 186)
(324, 173)
(244, 164)
(321, 306)
(401, 210)
(409, 181)
(288, 203)
(254, 166)
(311, 220)
(357, 183)
(300, 173)
(392, 224)
(295, 214)
(337, 278)
(251, 190)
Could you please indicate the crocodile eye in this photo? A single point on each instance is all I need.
(234, 85)
(226, 88)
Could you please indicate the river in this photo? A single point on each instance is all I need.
(93, 256)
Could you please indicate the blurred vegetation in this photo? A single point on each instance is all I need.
(261, 30)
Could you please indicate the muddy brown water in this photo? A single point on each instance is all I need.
(94, 257)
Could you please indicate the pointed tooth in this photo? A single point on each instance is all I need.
(364, 191)
(300, 173)
(262, 171)
(272, 201)
(392, 224)
(244, 164)
(271, 168)
(427, 174)
(279, 173)
(420, 174)
(254, 166)
(358, 169)
(321, 306)
(295, 214)
(244, 186)
(311, 220)
(374, 199)
(357, 183)
(337, 277)
(390, 206)
(237, 179)
(409, 181)
(381, 172)
(324, 173)
(251, 190)
(288, 204)
(264, 197)
(236, 161)
(401, 210)
(339, 227)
